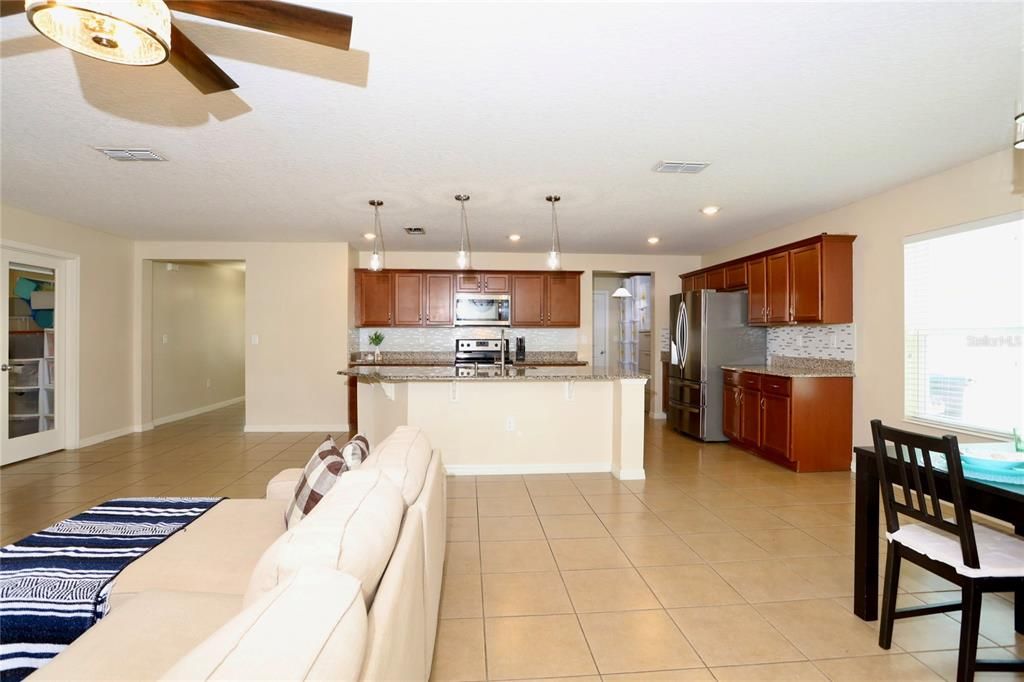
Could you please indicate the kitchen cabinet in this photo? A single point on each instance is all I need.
(562, 300)
(408, 309)
(781, 418)
(777, 268)
(426, 298)
(373, 298)
(810, 281)
(716, 278)
(731, 417)
(439, 299)
(528, 300)
(483, 282)
(736, 276)
(757, 291)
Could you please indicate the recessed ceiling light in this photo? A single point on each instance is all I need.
(369, 236)
(710, 210)
(653, 240)
(514, 237)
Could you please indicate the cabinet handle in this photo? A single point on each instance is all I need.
(762, 403)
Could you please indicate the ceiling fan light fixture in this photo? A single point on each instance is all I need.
(133, 32)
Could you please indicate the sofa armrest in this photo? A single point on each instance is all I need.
(282, 486)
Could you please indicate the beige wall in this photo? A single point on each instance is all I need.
(971, 192)
(105, 296)
(665, 271)
(296, 302)
(198, 337)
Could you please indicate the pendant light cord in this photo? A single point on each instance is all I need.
(464, 242)
(378, 243)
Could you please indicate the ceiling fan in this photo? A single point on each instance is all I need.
(141, 33)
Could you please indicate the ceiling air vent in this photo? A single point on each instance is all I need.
(120, 154)
(681, 166)
(415, 230)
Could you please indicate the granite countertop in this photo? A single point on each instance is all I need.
(405, 374)
(528, 363)
(446, 359)
(789, 371)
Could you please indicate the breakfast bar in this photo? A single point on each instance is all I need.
(512, 420)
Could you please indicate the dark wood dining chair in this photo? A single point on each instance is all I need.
(975, 558)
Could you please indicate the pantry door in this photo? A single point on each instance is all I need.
(32, 372)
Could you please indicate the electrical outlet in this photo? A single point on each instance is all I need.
(164, 338)
(510, 424)
(835, 340)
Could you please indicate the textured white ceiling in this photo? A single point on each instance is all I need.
(799, 108)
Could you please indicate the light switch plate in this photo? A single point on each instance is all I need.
(255, 339)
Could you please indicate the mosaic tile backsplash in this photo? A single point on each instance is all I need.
(442, 339)
(830, 341)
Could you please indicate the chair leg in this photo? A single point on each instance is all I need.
(970, 623)
(889, 589)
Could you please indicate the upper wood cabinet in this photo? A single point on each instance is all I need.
(408, 310)
(736, 276)
(757, 288)
(716, 278)
(439, 299)
(528, 300)
(426, 298)
(373, 298)
(807, 281)
(778, 287)
(483, 282)
(562, 299)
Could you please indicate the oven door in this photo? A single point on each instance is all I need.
(482, 310)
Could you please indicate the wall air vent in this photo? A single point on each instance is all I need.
(690, 167)
(121, 154)
(418, 231)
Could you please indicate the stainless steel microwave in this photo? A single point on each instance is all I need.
(483, 310)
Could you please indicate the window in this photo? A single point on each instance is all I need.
(964, 322)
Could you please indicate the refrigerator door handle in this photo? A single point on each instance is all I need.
(683, 334)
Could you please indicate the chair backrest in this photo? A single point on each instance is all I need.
(915, 468)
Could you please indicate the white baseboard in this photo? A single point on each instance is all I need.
(139, 428)
(159, 421)
(294, 428)
(631, 475)
(100, 437)
(659, 415)
(521, 469)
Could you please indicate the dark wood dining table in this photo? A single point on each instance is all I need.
(1002, 501)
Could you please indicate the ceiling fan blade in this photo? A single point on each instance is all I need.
(9, 7)
(294, 21)
(196, 66)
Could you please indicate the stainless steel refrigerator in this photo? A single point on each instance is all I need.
(708, 329)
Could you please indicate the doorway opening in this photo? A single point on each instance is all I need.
(623, 315)
(198, 337)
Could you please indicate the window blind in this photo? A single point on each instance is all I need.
(963, 326)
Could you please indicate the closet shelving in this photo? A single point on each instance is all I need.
(31, 381)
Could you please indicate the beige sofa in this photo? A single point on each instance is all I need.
(351, 592)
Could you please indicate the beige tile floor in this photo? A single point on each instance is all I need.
(718, 566)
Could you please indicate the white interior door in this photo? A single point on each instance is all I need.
(32, 380)
(601, 328)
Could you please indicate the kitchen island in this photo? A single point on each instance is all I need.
(520, 420)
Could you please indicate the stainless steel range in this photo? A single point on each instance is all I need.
(473, 352)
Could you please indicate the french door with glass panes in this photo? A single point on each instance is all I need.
(32, 378)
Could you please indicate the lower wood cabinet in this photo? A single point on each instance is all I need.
(803, 423)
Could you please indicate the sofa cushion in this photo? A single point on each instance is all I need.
(282, 485)
(404, 457)
(355, 451)
(142, 637)
(214, 553)
(431, 504)
(319, 476)
(312, 626)
(353, 529)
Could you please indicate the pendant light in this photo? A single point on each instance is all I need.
(463, 259)
(135, 32)
(377, 257)
(555, 255)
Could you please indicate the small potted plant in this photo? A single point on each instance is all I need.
(376, 339)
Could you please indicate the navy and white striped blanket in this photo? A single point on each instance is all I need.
(54, 584)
